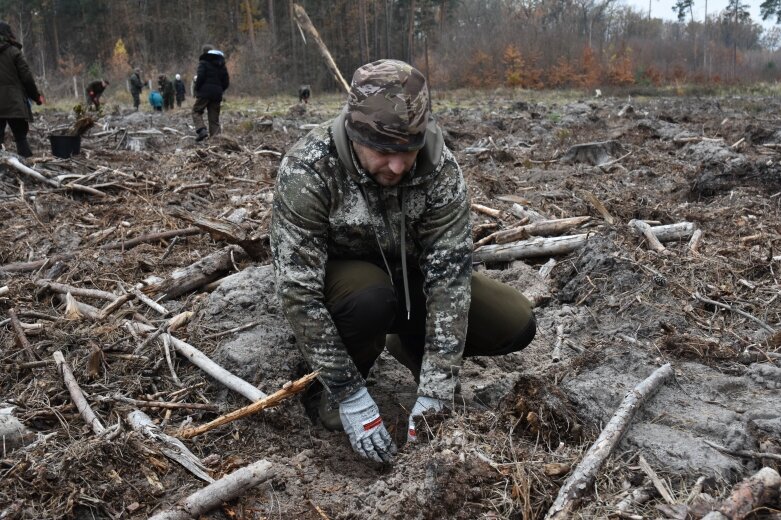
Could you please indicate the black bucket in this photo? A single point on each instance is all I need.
(63, 146)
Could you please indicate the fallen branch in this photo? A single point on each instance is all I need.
(658, 483)
(171, 447)
(152, 237)
(761, 489)
(694, 241)
(288, 390)
(165, 405)
(730, 308)
(536, 247)
(302, 19)
(23, 267)
(581, 480)
(76, 291)
(491, 212)
(539, 228)
(21, 337)
(744, 453)
(13, 162)
(199, 359)
(594, 201)
(223, 490)
(256, 247)
(198, 274)
(645, 229)
(77, 396)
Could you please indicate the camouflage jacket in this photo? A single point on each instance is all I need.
(327, 207)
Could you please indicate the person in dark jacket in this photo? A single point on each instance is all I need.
(303, 94)
(167, 90)
(211, 82)
(180, 90)
(136, 85)
(94, 91)
(17, 87)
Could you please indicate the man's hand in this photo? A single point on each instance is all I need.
(40, 100)
(363, 424)
(422, 406)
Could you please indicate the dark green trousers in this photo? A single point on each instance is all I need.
(365, 306)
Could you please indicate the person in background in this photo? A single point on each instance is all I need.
(180, 90)
(167, 90)
(136, 86)
(17, 87)
(212, 80)
(94, 91)
(303, 94)
(156, 100)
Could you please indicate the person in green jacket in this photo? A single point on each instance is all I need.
(370, 235)
(17, 88)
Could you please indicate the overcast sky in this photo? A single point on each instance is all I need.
(664, 9)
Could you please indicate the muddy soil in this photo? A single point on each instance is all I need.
(616, 310)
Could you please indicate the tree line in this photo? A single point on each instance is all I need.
(457, 43)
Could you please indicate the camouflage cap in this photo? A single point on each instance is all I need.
(388, 106)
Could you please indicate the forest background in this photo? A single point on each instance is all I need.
(532, 44)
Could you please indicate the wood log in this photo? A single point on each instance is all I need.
(645, 229)
(581, 480)
(194, 276)
(77, 396)
(152, 237)
(171, 447)
(23, 267)
(149, 302)
(763, 488)
(199, 359)
(226, 489)
(523, 212)
(257, 248)
(694, 241)
(539, 228)
(4, 290)
(110, 308)
(76, 291)
(677, 231)
(536, 247)
(491, 212)
(288, 390)
(13, 162)
(303, 21)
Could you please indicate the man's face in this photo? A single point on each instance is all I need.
(387, 168)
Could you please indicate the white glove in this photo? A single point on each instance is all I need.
(363, 424)
(422, 406)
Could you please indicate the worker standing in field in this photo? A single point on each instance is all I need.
(136, 86)
(180, 90)
(370, 235)
(17, 87)
(212, 80)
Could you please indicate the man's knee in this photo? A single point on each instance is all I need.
(365, 313)
(521, 340)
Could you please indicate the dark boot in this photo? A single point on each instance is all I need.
(202, 134)
(23, 148)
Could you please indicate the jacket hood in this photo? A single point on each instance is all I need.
(427, 161)
(214, 56)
